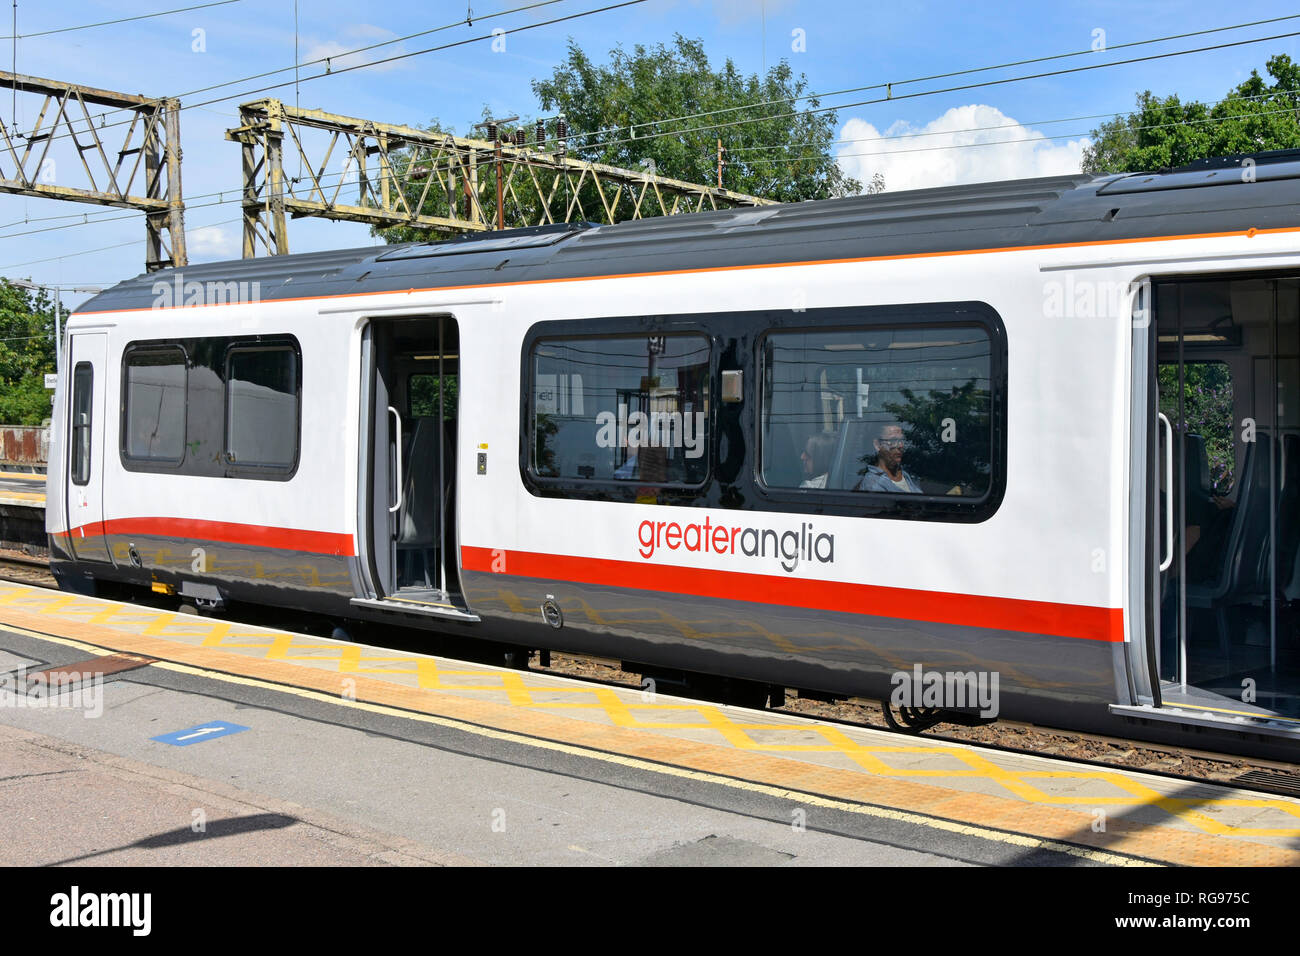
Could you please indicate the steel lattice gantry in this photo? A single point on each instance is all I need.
(143, 172)
(388, 175)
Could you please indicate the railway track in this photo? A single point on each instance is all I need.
(1009, 736)
(25, 569)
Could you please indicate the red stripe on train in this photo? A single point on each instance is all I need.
(257, 536)
(940, 607)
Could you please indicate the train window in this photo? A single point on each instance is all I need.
(83, 378)
(621, 409)
(888, 410)
(153, 405)
(262, 407)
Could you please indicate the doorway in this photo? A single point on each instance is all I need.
(413, 367)
(1227, 494)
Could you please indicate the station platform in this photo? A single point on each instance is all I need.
(21, 489)
(1092, 815)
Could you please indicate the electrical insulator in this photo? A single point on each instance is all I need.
(492, 132)
(561, 134)
(541, 133)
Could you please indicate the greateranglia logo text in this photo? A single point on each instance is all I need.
(787, 547)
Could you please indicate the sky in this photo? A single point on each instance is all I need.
(916, 137)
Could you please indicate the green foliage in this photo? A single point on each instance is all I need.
(1164, 132)
(964, 459)
(26, 354)
(1207, 411)
(634, 91)
(424, 396)
(613, 112)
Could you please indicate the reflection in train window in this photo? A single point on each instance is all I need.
(262, 407)
(1206, 413)
(423, 399)
(903, 410)
(621, 409)
(154, 405)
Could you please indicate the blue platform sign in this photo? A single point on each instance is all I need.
(196, 735)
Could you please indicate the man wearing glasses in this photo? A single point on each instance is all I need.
(887, 473)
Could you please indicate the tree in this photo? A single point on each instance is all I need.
(1164, 132)
(1206, 411)
(947, 436)
(649, 104)
(26, 354)
(644, 111)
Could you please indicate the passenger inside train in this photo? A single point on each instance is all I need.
(887, 473)
(873, 398)
(816, 458)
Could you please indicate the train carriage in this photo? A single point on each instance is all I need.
(1039, 437)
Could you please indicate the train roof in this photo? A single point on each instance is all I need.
(1223, 195)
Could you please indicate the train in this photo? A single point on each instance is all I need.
(1020, 450)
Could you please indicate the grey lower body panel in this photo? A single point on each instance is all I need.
(834, 652)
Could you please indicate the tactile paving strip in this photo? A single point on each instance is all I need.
(1158, 818)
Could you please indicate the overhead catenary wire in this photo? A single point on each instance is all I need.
(1117, 114)
(518, 29)
(887, 85)
(712, 128)
(1031, 139)
(818, 96)
(296, 66)
(324, 177)
(105, 23)
(844, 106)
(116, 245)
(656, 123)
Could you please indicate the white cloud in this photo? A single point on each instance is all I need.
(354, 36)
(911, 161)
(211, 242)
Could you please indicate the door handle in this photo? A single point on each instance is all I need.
(397, 430)
(1169, 493)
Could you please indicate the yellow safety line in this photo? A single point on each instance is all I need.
(623, 713)
(635, 763)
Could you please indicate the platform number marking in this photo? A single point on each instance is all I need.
(196, 735)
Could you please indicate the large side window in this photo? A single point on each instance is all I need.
(83, 379)
(891, 410)
(153, 410)
(620, 409)
(262, 407)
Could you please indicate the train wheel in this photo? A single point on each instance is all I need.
(910, 720)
